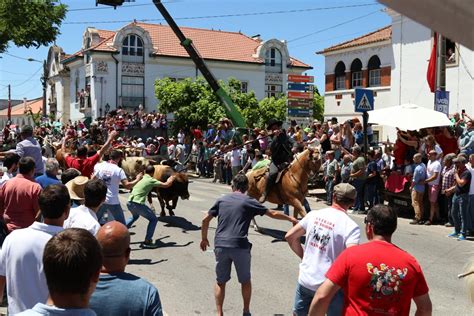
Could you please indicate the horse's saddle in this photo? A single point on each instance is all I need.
(262, 173)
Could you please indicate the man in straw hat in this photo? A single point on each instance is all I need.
(84, 216)
(361, 271)
(328, 232)
(76, 189)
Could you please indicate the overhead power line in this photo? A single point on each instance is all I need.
(29, 78)
(110, 7)
(233, 15)
(332, 26)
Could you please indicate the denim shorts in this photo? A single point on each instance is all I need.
(304, 296)
(239, 256)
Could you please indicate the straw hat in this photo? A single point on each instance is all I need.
(76, 187)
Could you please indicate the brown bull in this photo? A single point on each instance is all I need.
(293, 185)
(179, 188)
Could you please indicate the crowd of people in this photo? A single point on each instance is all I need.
(57, 221)
(38, 201)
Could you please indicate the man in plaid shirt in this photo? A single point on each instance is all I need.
(447, 181)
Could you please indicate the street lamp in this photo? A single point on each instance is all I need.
(44, 79)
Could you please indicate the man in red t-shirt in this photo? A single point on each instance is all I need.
(83, 163)
(378, 278)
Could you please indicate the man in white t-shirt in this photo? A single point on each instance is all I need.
(113, 175)
(84, 216)
(433, 172)
(235, 161)
(21, 256)
(328, 232)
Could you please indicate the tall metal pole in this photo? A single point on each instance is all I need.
(441, 63)
(9, 103)
(44, 81)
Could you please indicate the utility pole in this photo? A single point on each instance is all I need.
(44, 81)
(9, 111)
(441, 63)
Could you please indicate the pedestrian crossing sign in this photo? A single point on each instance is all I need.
(364, 100)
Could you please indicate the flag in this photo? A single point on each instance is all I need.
(431, 73)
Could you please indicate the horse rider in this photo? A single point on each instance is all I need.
(280, 147)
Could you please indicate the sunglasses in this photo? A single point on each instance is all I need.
(366, 221)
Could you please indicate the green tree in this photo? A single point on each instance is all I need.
(191, 101)
(318, 105)
(270, 108)
(29, 23)
(194, 103)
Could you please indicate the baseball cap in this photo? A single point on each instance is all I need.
(345, 190)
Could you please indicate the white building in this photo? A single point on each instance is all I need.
(364, 62)
(119, 68)
(399, 75)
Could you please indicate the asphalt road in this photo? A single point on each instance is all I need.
(185, 276)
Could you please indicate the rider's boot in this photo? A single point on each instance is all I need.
(268, 186)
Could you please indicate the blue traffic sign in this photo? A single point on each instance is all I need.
(300, 112)
(364, 100)
(442, 101)
(300, 87)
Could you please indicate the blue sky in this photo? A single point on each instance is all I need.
(320, 26)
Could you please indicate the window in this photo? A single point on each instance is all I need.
(132, 91)
(356, 73)
(451, 53)
(244, 87)
(132, 45)
(273, 90)
(273, 60)
(340, 76)
(374, 71)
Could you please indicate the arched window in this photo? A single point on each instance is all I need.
(374, 71)
(132, 45)
(340, 76)
(356, 73)
(273, 60)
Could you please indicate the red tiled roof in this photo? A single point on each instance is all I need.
(373, 37)
(19, 109)
(211, 44)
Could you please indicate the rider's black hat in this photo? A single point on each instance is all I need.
(272, 122)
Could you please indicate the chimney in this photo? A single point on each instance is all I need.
(25, 102)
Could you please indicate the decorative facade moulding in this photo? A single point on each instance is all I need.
(101, 68)
(134, 69)
(88, 70)
(273, 78)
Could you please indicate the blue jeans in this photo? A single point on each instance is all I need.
(360, 200)
(459, 212)
(304, 296)
(470, 214)
(113, 209)
(286, 207)
(329, 189)
(371, 194)
(138, 209)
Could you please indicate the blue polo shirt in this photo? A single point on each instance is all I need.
(419, 175)
(46, 180)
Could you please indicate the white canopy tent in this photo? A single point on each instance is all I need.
(408, 117)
